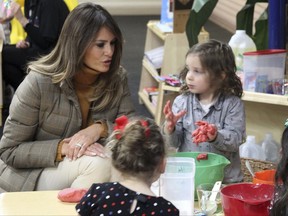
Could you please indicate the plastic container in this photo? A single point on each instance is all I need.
(240, 43)
(209, 199)
(250, 149)
(271, 148)
(177, 183)
(246, 199)
(264, 177)
(207, 171)
(264, 70)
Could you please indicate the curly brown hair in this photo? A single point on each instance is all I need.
(216, 58)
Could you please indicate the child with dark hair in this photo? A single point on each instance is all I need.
(209, 115)
(138, 153)
(279, 204)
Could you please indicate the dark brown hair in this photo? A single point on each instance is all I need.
(216, 58)
(279, 204)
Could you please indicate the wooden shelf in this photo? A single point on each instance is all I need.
(175, 49)
(265, 98)
(152, 25)
(170, 88)
(265, 113)
(150, 68)
(147, 103)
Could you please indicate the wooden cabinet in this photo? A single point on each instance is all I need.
(175, 49)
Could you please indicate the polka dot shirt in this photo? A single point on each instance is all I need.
(114, 199)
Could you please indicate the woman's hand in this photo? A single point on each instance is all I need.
(22, 44)
(171, 118)
(84, 143)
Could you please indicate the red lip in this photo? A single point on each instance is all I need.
(107, 62)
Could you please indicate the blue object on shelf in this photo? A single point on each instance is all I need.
(166, 12)
(276, 24)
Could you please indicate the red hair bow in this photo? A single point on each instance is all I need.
(145, 125)
(120, 122)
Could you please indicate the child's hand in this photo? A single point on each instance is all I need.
(170, 118)
(204, 133)
(211, 132)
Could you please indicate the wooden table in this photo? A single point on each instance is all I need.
(40, 203)
(34, 203)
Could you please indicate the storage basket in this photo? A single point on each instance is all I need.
(257, 165)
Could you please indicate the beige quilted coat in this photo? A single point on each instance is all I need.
(41, 114)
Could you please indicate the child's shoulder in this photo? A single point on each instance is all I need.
(184, 96)
(229, 100)
(230, 97)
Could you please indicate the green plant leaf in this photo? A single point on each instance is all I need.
(244, 18)
(261, 31)
(200, 13)
(244, 21)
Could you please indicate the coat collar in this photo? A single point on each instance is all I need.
(217, 105)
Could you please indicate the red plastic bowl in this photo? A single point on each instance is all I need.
(246, 199)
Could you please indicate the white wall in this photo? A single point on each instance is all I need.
(223, 15)
(130, 7)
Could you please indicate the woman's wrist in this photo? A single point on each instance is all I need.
(23, 21)
(103, 127)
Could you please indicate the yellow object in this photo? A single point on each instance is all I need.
(17, 31)
(71, 4)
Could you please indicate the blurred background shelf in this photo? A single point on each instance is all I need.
(175, 48)
(265, 98)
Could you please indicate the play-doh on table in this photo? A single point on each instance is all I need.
(34, 203)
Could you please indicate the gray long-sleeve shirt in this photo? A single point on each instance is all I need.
(228, 114)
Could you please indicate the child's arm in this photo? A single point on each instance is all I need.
(171, 118)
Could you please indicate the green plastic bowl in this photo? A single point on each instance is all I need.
(207, 171)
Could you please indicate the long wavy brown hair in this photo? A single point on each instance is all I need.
(216, 58)
(66, 59)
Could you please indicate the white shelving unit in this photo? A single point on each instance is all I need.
(175, 49)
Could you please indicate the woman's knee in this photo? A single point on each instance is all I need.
(92, 170)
